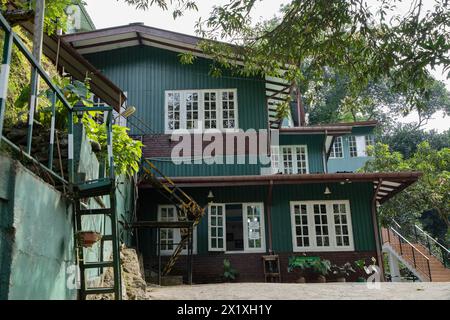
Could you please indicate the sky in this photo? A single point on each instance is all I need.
(118, 13)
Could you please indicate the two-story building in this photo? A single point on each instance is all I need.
(215, 137)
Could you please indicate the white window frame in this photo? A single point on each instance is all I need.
(244, 227)
(338, 141)
(294, 158)
(262, 230)
(360, 145)
(201, 109)
(331, 226)
(224, 226)
(176, 233)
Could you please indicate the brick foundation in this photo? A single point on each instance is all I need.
(209, 268)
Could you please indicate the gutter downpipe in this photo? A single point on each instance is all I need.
(377, 231)
(269, 217)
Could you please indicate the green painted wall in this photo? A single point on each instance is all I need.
(350, 163)
(359, 195)
(146, 72)
(187, 170)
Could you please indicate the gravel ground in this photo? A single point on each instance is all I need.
(310, 291)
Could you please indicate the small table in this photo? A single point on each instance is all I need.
(271, 265)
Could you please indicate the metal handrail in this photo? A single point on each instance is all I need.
(430, 237)
(400, 236)
(413, 254)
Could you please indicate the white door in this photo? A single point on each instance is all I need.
(253, 224)
(216, 227)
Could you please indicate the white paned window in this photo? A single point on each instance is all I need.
(191, 110)
(300, 219)
(352, 146)
(170, 237)
(210, 110)
(321, 226)
(173, 110)
(253, 219)
(216, 230)
(336, 149)
(294, 159)
(167, 236)
(201, 109)
(358, 145)
(228, 109)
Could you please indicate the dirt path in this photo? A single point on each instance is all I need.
(335, 291)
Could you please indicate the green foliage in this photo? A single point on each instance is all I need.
(127, 152)
(430, 192)
(55, 12)
(180, 5)
(319, 266)
(364, 45)
(405, 138)
(229, 273)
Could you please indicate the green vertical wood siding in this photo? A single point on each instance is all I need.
(146, 72)
(359, 195)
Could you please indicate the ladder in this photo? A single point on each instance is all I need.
(187, 208)
(96, 188)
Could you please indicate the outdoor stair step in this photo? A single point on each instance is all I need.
(100, 290)
(94, 188)
(98, 264)
(106, 211)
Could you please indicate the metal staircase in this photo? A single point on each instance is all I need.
(427, 261)
(187, 208)
(91, 189)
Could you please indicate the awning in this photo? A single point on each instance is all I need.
(391, 182)
(78, 67)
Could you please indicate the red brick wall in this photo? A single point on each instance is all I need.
(209, 268)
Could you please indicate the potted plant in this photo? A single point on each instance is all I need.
(361, 266)
(342, 272)
(321, 268)
(229, 273)
(303, 266)
(87, 239)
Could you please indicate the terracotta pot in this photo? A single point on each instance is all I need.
(301, 280)
(321, 279)
(87, 239)
(340, 279)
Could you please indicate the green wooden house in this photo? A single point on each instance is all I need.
(293, 204)
(349, 152)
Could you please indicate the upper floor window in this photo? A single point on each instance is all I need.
(358, 145)
(290, 159)
(201, 109)
(336, 149)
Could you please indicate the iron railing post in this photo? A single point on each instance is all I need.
(4, 75)
(52, 132)
(429, 270)
(414, 257)
(400, 241)
(429, 245)
(70, 147)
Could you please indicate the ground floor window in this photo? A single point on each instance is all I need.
(236, 227)
(321, 225)
(169, 238)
